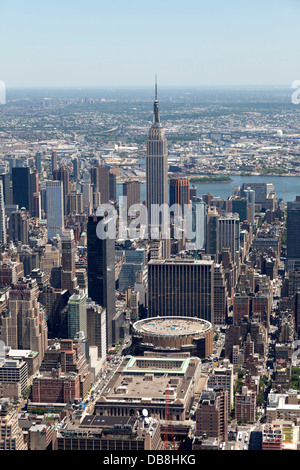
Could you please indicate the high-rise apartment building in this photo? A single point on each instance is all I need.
(55, 208)
(212, 414)
(11, 437)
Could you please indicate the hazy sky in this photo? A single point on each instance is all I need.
(125, 42)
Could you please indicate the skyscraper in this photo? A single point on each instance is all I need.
(63, 175)
(197, 223)
(156, 169)
(181, 287)
(112, 186)
(54, 161)
(2, 216)
(68, 275)
(21, 187)
(179, 192)
(229, 234)
(5, 178)
(38, 162)
(212, 231)
(293, 229)
(18, 227)
(100, 180)
(55, 208)
(77, 313)
(25, 327)
(132, 190)
(101, 271)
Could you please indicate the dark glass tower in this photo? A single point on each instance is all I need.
(293, 229)
(101, 272)
(21, 187)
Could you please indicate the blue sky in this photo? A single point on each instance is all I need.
(73, 43)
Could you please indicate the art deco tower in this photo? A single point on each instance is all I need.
(156, 165)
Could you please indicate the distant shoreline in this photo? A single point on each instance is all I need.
(210, 179)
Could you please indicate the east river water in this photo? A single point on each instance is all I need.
(285, 186)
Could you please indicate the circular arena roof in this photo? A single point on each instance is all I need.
(172, 326)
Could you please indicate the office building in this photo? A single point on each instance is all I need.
(112, 186)
(156, 171)
(25, 327)
(38, 162)
(293, 230)
(18, 227)
(13, 378)
(111, 433)
(212, 232)
(2, 217)
(54, 166)
(77, 320)
(179, 192)
(181, 287)
(197, 224)
(55, 208)
(100, 180)
(68, 248)
(132, 191)
(229, 235)
(5, 178)
(87, 197)
(21, 187)
(74, 202)
(64, 374)
(101, 270)
(62, 174)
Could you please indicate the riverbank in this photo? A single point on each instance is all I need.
(210, 179)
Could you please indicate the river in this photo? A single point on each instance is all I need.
(285, 186)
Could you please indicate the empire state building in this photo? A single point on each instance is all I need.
(156, 171)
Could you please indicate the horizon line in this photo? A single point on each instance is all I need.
(84, 87)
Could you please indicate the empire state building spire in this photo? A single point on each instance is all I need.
(156, 106)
